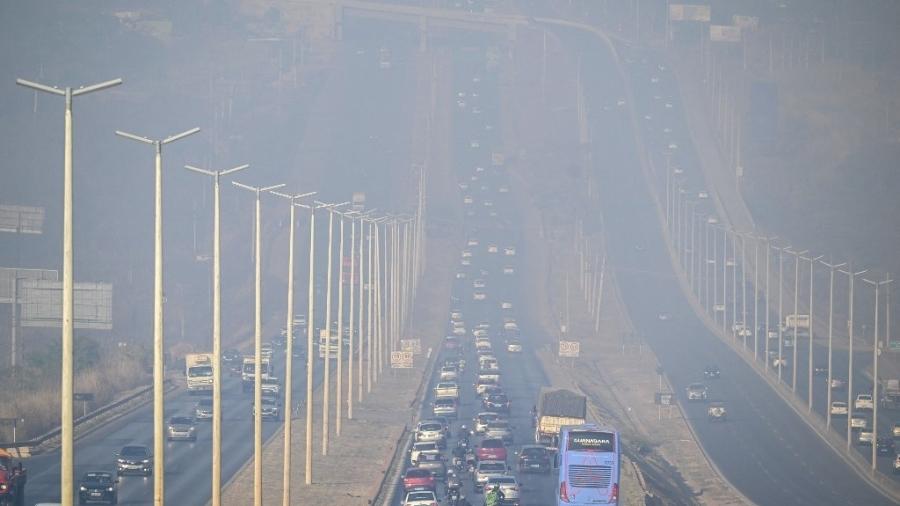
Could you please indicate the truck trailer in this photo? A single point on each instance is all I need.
(556, 408)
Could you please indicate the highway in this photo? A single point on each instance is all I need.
(764, 449)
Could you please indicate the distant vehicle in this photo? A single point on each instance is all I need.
(434, 463)
(198, 371)
(697, 392)
(589, 460)
(416, 478)
(858, 422)
(839, 408)
(248, 372)
(664, 316)
(271, 386)
(897, 464)
(499, 429)
(534, 459)
(482, 420)
(884, 446)
(479, 295)
(266, 349)
(509, 251)
(514, 346)
(488, 468)
(716, 412)
(492, 248)
(98, 487)
(865, 438)
(231, 355)
(837, 383)
(508, 269)
(270, 409)
(472, 242)
(203, 410)
(384, 58)
(863, 402)
(508, 486)
(444, 407)
(556, 408)
(430, 431)
(496, 402)
(478, 283)
(895, 430)
(446, 389)
(422, 448)
(449, 373)
(181, 428)
(712, 372)
(134, 459)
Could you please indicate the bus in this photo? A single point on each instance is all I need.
(589, 459)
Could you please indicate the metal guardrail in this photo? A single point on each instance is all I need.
(80, 421)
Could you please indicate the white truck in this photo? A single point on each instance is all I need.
(800, 321)
(556, 408)
(891, 394)
(198, 372)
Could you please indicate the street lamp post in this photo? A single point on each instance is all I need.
(67, 380)
(257, 345)
(159, 445)
(831, 269)
(809, 388)
(289, 352)
(876, 350)
(216, 497)
(797, 256)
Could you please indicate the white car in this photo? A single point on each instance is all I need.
(858, 422)
(463, 186)
(479, 296)
(508, 269)
(479, 168)
(474, 143)
(465, 262)
(422, 447)
(468, 199)
(509, 251)
(864, 402)
(461, 275)
(472, 243)
(478, 283)
(429, 432)
(456, 315)
(446, 389)
(488, 203)
(466, 253)
(492, 248)
(514, 346)
(839, 408)
(866, 438)
(509, 487)
(504, 189)
(420, 498)
(449, 373)
(506, 305)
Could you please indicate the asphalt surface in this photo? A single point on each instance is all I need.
(521, 374)
(764, 448)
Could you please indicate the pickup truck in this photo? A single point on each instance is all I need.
(864, 402)
(446, 389)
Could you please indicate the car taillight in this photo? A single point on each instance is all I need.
(615, 492)
(563, 493)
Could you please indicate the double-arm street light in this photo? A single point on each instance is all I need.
(159, 445)
(216, 497)
(289, 352)
(850, 325)
(67, 391)
(831, 269)
(876, 350)
(257, 345)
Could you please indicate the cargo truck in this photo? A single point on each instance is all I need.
(556, 408)
(198, 371)
(248, 372)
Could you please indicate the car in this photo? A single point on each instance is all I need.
(895, 430)
(491, 448)
(820, 370)
(884, 446)
(534, 459)
(488, 203)
(865, 437)
(465, 262)
(478, 283)
(506, 305)
(487, 468)
(496, 402)
(417, 478)
(858, 422)
(231, 355)
(897, 464)
(134, 459)
(420, 498)
(479, 295)
(514, 346)
(444, 407)
(492, 248)
(461, 275)
(449, 373)
(499, 429)
(716, 412)
(697, 392)
(482, 419)
(863, 402)
(434, 463)
(508, 485)
(839, 408)
(270, 409)
(456, 315)
(446, 389)
(483, 383)
(420, 448)
(181, 428)
(474, 143)
(508, 270)
(490, 390)
(664, 317)
(430, 431)
(98, 487)
(271, 386)
(838, 383)
(509, 251)
(203, 410)
(503, 189)
(266, 349)
(712, 372)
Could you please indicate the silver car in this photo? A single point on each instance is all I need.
(182, 428)
(499, 429)
(487, 469)
(445, 407)
(430, 431)
(509, 487)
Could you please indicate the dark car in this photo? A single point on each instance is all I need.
(712, 372)
(231, 355)
(98, 487)
(134, 459)
(534, 459)
(496, 402)
(884, 446)
(203, 410)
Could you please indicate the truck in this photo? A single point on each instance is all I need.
(12, 480)
(198, 371)
(556, 408)
(248, 372)
(801, 321)
(890, 394)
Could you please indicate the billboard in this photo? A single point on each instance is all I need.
(401, 360)
(8, 278)
(413, 345)
(569, 349)
(21, 219)
(689, 12)
(42, 304)
(724, 33)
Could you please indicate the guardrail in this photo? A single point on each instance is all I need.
(26, 447)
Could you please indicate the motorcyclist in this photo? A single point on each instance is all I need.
(463, 432)
(494, 497)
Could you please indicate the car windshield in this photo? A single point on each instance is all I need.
(486, 417)
(180, 420)
(201, 371)
(425, 446)
(502, 480)
(134, 451)
(444, 402)
(696, 386)
(418, 473)
(205, 403)
(431, 426)
(492, 466)
(534, 452)
(98, 477)
(498, 425)
(492, 443)
(420, 496)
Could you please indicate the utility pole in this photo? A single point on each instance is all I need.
(67, 369)
(831, 269)
(289, 354)
(340, 330)
(216, 497)
(797, 255)
(809, 388)
(158, 338)
(876, 351)
(257, 345)
(850, 324)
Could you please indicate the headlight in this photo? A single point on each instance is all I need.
(82, 488)
(111, 489)
(120, 461)
(146, 461)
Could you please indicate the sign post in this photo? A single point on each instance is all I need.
(84, 397)
(401, 360)
(570, 349)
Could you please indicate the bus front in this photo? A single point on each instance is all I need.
(589, 461)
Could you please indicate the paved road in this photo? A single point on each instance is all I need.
(764, 449)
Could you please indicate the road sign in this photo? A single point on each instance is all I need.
(894, 345)
(87, 397)
(664, 398)
(401, 360)
(42, 304)
(569, 349)
(413, 345)
(8, 278)
(689, 12)
(21, 219)
(719, 308)
(724, 33)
